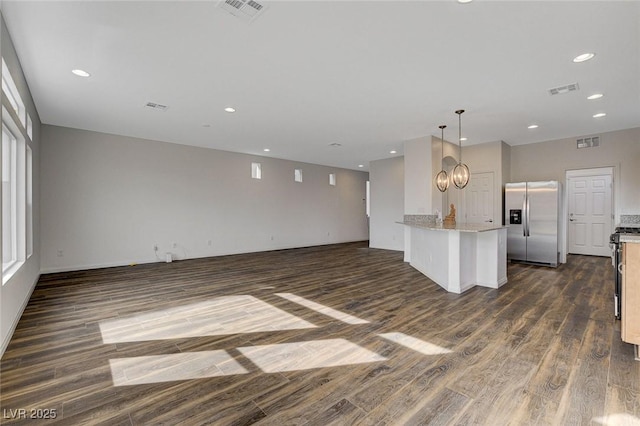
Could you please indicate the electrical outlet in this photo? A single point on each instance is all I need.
(175, 245)
(209, 243)
(155, 247)
(60, 253)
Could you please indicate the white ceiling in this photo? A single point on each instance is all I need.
(366, 74)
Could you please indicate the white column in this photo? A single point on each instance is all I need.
(418, 185)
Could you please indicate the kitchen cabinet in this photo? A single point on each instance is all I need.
(631, 293)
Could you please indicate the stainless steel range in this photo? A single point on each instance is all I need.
(616, 260)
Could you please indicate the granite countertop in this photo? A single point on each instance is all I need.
(462, 227)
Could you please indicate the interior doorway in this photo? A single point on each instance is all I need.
(590, 211)
(479, 198)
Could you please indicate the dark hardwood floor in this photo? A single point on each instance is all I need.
(189, 343)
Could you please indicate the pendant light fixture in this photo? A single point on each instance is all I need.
(442, 180)
(460, 176)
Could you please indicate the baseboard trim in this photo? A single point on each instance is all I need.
(59, 269)
(16, 320)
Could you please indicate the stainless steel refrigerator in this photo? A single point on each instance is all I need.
(532, 217)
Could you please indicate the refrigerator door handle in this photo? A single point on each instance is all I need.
(528, 227)
(524, 215)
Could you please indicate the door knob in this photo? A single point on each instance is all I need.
(489, 221)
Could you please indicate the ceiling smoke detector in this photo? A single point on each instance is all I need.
(564, 89)
(157, 107)
(247, 10)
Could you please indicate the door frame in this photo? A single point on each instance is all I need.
(595, 171)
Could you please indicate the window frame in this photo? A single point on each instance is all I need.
(13, 95)
(9, 175)
(18, 185)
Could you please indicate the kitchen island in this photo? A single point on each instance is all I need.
(458, 258)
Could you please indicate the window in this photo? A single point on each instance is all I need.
(9, 200)
(297, 175)
(29, 127)
(11, 92)
(14, 196)
(17, 167)
(368, 199)
(29, 202)
(256, 170)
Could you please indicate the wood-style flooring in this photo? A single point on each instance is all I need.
(338, 334)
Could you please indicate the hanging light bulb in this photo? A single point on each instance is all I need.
(460, 176)
(442, 179)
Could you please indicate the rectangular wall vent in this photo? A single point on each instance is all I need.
(564, 89)
(157, 107)
(247, 10)
(590, 142)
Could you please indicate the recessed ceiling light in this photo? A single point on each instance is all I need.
(393, 151)
(266, 150)
(600, 114)
(464, 1)
(81, 73)
(206, 125)
(584, 57)
(361, 165)
(533, 126)
(595, 96)
(463, 139)
(230, 109)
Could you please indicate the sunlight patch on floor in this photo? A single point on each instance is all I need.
(220, 316)
(415, 344)
(325, 310)
(620, 419)
(308, 355)
(167, 368)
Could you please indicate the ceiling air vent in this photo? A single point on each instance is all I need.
(247, 10)
(564, 89)
(157, 107)
(591, 142)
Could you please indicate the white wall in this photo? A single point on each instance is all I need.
(387, 203)
(418, 179)
(106, 200)
(481, 158)
(487, 157)
(442, 200)
(551, 159)
(15, 293)
(506, 173)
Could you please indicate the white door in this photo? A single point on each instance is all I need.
(479, 198)
(590, 221)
